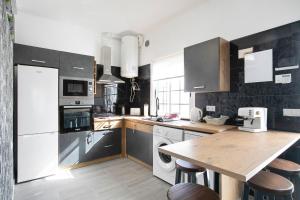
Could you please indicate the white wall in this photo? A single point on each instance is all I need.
(47, 33)
(230, 19)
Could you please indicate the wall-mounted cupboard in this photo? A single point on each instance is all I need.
(70, 64)
(76, 65)
(207, 66)
(35, 56)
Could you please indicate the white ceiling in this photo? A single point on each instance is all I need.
(108, 15)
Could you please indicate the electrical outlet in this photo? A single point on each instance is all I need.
(211, 108)
(291, 112)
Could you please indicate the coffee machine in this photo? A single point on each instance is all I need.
(255, 119)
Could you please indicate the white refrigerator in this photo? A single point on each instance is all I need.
(37, 122)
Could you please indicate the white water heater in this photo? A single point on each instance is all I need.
(129, 56)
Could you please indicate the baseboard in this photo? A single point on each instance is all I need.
(84, 164)
(140, 162)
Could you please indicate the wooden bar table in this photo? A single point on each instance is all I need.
(236, 155)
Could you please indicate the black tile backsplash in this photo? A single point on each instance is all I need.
(285, 42)
(123, 90)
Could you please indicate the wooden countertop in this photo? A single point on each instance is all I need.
(180, 124)
(234, 153)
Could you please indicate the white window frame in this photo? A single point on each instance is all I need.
(152, 93)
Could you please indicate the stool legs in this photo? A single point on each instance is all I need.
(178, 176)
(258, 195)
(192, 178)
(246, 192)
(205, 177)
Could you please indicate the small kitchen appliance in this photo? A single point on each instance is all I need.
(135, 111)
(255, 119)
(76, 91)
(75, 118)
(196, 115)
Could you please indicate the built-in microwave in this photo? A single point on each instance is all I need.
(75, 118)
(76, 91)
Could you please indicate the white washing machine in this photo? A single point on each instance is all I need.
(164, 165)
(189, 135)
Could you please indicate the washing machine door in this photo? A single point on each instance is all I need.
(164, 161)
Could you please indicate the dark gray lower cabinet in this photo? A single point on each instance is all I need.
(104, 143)
(86, 146)
(139, 145)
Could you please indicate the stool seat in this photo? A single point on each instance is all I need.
(269, 182)
(284, 166)
(188, 167)
(191, 191)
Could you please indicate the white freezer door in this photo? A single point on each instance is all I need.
(37, 100)
(37, 156)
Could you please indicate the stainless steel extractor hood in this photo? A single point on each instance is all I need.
(107, 77)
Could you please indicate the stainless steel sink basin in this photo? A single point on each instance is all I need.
(159, 119)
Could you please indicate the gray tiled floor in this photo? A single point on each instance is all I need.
(117, 179)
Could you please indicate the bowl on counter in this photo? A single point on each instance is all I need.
(216, 121)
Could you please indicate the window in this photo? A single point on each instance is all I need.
(167, 84)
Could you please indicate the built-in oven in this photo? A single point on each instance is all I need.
(75, 118)
(76, 91)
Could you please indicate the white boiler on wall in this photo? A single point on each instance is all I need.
(129, 56)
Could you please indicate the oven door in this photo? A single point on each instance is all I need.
(75, 87)
(76, 118)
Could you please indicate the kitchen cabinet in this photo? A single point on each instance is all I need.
(144, 72)
(207, 67)
(35, 56)
(103, 144)
(87, 146)
(139, 145)
(76, 65)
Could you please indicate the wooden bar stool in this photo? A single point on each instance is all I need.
(191, 191)
(288, 169)
(270, 185)
(191, 170)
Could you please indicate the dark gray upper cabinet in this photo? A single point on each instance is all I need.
(144, 72)
(28, 55)
(207, 67)
(76, 65)
(139, 145)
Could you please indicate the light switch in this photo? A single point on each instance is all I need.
(283, 78)
(291, 112)
(211, 108)
(243, 52)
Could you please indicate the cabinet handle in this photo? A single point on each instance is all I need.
(81, 68)
(199, 87)
(89, 139)
(39, 61)
(107, 146)
(107, 126)
(107, 133)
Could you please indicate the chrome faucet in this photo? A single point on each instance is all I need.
(157, 106)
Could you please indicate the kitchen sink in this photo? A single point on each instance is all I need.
(159, 119)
